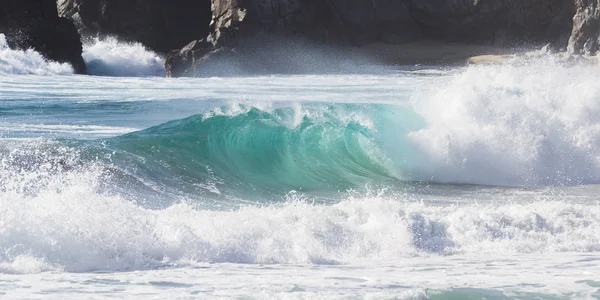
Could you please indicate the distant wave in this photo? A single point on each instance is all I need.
(103, 57)
(110, 57)
(28, 62)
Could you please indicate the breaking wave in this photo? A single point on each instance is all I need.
(103, 57)
(111, 57)
(57, 215)
(28, 62)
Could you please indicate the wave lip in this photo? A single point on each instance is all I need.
(321, 150)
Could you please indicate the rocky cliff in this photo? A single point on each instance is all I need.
(162, 25)
(353, 22)
(264, 34)
(586, 28)
(273, 35)
(36, 24)
(497, 22)
(250, 26)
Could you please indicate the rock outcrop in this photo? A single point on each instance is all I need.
(251, 29)
(499, 22)
(332, 22)
(161, 25)
(585, 37)
(291, 35)
(254, 26)
(36, 24)
(184, 62)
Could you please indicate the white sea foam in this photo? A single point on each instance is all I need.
(80, 131)
(103, 57)
(75, 229)
(28, 62)
(52, 217)
(110, 57)
(533, 122)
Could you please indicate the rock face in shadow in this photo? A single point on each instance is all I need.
(251, 29)
(290, 35)
(353, 22)
(161, 25)
(341, 22)
(36, 24)
(586, 28)
(183, 62)
(244, 29)
(498, 22)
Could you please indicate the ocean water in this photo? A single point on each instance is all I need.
(477, 182)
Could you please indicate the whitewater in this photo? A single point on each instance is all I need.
(420, 182)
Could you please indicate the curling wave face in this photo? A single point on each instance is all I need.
(315, 148)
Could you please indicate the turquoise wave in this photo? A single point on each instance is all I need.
(312, 149)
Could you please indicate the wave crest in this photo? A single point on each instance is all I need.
(262, 151)
(110, 57)
(533, 123)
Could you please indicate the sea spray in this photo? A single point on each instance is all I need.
(70, 226)
(103, 57)
(14, 61)
(532, 122)
(111, 57)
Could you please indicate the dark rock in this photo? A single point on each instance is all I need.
(180, 63)
(341, 22)
(203, 59)
(359, 22)
(253, 27)
(36, 24)
(549, 49)
(586, 28)
(496, 22)
(290, 35)
(161, 25)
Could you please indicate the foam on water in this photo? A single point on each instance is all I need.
(28, 62)
(54, 216)
(83, 131)
(110, 57)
